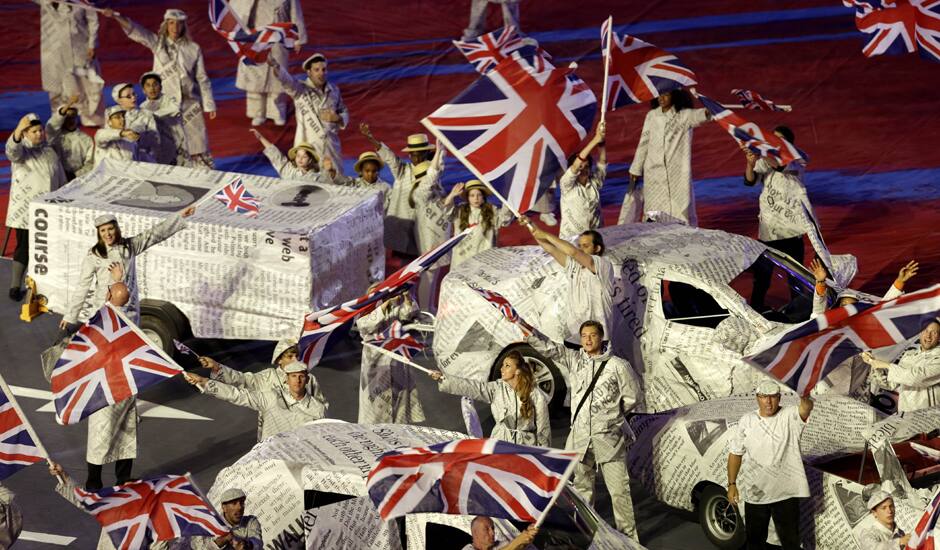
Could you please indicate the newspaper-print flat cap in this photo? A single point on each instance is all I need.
(768, 387)
(232, 494)
(105, 218)
(117, 89)
(113, 110)
(173, 13)
(877, 498)
(295, 366)
(315, 58)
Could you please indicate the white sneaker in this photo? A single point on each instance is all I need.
(257, 121)
(279, 122)
(549, 219)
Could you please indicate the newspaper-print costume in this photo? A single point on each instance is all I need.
(782, 202)
(871, 534)
(270, 379)
(772, 469)
(279, 411)
(504, 403)
(379, 185)
(387, 390)
(248, 529)
(183, 71)
(916, 375)
(819, 301)
(663, 159)
(478, 240)
(35, 170)
(597, 431)
(11, 519)
(581, 204)
(264, 94)
(66, 36)
(166, 113)
(287, 170)
(76, 149)
(399, 214)
(590, 295)
(109, 144)
(308, 102)
(432, 222)
(510, 9)
(144, 123)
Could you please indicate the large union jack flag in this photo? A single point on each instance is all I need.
(107, 361)
(486, 51)
(804, 355)
(17, 448)
(925, 534)
(752, 100)
(640, 71)
(757, 140)
(320, 328)
(236, 198)
(484, 477)
(500, 302)
(516, 126)
(159, 508)
(249, 44)
(398, 340)
(902, 26)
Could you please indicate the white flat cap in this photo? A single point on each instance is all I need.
(232, 494)
(315, 58)
(296, 366)
(179, 15)
(33, 119)
(877, 498)
(112, 110)
(118, 88)
(768, 387)
(105, 218)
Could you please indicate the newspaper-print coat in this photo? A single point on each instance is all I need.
(35, 170)
(260, 77)
(599, 423)
(11, 518)
(664, 159)
(379, 185)
(287, 170)
(479, 240)
(183, 71)
(784, 202)
(66, 35)
(504, 403)
(249, 529)
(144, 123)
(308, 102)
(270, 379)
(432, 220)
(917, 376)
(581, 204)
(166, 113)
(109, 144)
(387, 390)
(76, 149)
(399, 214)
(279, 411)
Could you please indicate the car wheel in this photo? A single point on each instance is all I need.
(720, 521)
(160, 330)
(547, 376)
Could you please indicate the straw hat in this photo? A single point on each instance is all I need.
(365, 157)
(292, 152)
(470, 185)
(420, 169)
(418, 142)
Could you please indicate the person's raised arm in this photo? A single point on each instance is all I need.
(589, 148)
(568, 249)
(750, 177)
(264, 141)
(806, 407)
(454, 192)
(542, 239)
(905, 274)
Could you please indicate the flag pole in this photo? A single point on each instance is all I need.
(398, 357)
(85, 6)
(26, 424)
(561, 487)
(606, 53)
(140, 333)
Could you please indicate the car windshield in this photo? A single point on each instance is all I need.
(777, 287)
(570, 524)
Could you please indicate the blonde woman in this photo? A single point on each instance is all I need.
(519, 407)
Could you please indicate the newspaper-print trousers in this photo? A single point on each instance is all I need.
(271, 105)
(617, 479)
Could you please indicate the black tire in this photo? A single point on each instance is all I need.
(547, 376)
(720, 521)
(160, 330)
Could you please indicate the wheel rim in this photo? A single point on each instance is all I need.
(154, 337)
(722, 518)
(543, 377)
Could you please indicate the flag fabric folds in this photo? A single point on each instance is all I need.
(320, 328)
(397, 340)
(752, 136)
(484, 477)
(902, 26)
(516, 126)
(487, 51)
(159, 508)
(640, 71)
(251, 45)
(107, 361)
(17, 448)
(752, 100)
(498, 301)
(802, 356)
(924, 536)
(236, 198)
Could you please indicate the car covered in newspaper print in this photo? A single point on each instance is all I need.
(680, 457)
(681, 315)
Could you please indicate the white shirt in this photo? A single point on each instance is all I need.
(772, 468)
(590, 295)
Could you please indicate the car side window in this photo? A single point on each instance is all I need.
(688, 305)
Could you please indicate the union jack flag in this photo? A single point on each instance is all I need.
(516, 126)
(804, 355)
(484, 477)
(924, 536)
(397, 340)
(183, 348)
(902, 26)
(107, 361)
(226, 22)
(640, 71)
(486, 51)
(159, 508)
(236, 198)
(500, 302)
(758, 141)
(320, 328)
(251, 45)
(17, 448)
(752, 100)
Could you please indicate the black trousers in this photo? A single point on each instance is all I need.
(792, 246)
(122, 474)
(21, 252)
(786, 516)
